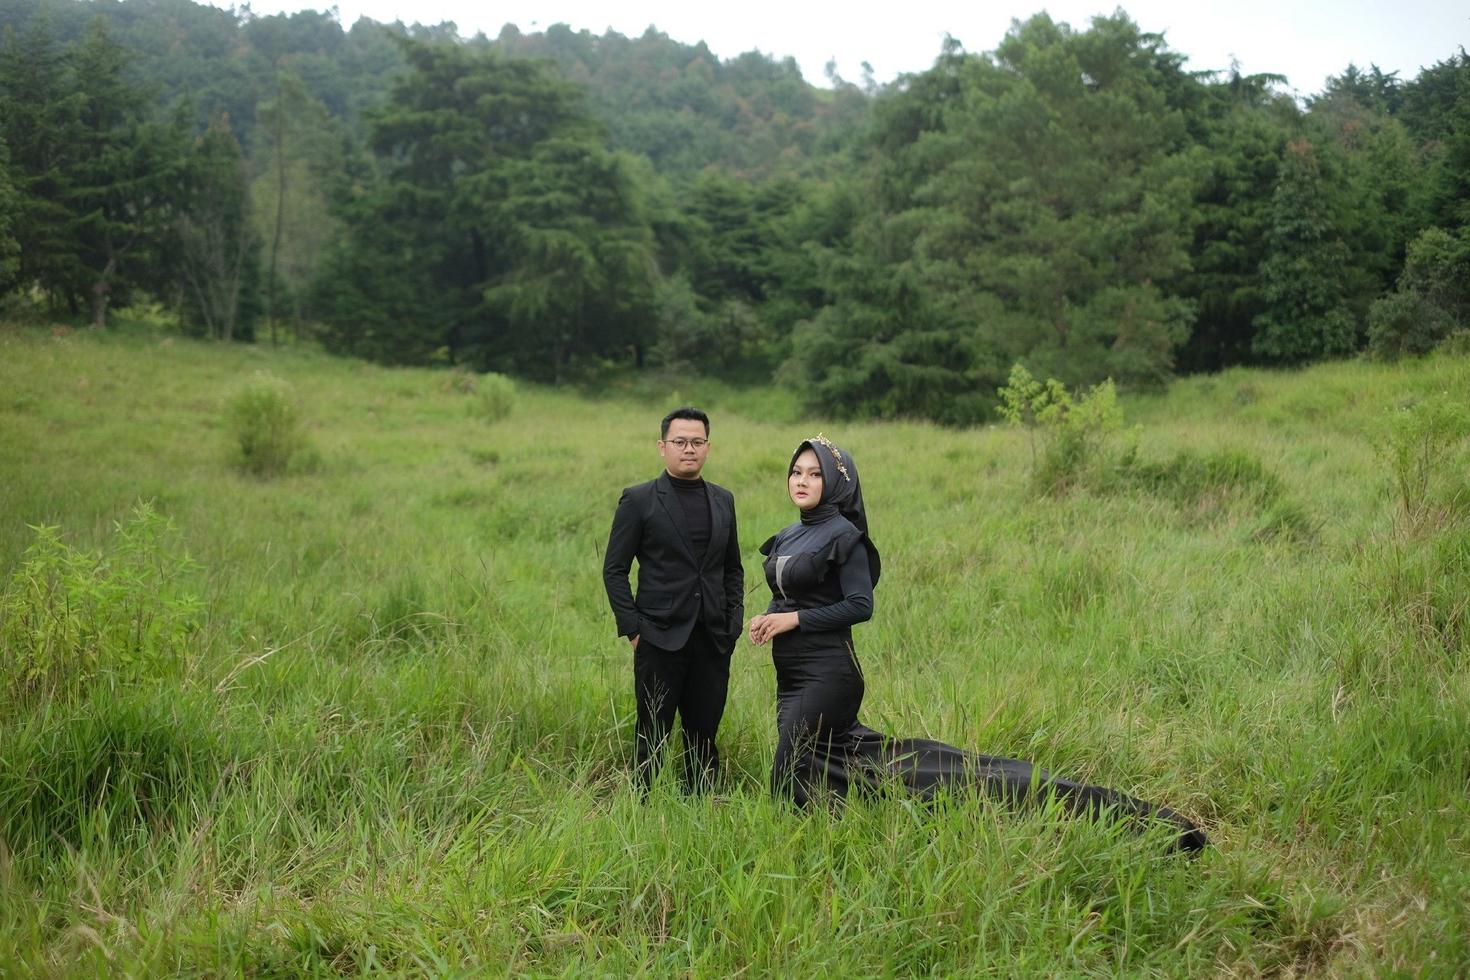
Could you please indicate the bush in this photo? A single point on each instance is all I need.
(1404, 324)
(145, 316)
(496, 396)
(266, 425)
(1437, 267)
(1432, 298)
(67, 616)
(1456, 344)
(459, 380)
(1417, 441)
(1190, 478)
(1068, 435)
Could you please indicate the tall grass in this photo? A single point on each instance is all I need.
(396, 737)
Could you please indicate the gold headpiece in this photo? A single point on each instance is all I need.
(832, 448)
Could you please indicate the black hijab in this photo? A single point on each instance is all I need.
(841, 492)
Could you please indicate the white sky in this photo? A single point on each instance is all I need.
(1306, 40)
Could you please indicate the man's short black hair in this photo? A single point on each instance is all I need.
(693, 414)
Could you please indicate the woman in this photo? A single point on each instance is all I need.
(821, 571)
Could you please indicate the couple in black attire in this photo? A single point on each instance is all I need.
(685, 621)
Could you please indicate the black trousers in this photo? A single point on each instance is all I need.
(691, 682)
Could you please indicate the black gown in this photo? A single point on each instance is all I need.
(820, 568)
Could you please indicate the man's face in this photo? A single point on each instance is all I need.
(685, 448)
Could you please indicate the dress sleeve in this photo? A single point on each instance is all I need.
(856, 604)
(765, 549)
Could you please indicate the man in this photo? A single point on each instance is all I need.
(687, 615)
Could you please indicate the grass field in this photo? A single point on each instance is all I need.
(381, 722)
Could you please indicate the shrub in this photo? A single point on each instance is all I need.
(459, 380)
(1417, 441)
(1068, 434)
(1456, 344)
(67, 616)
(1191, 477)
(1437, 267)
(496, 397)
(266, 425)
(1431, 300)
(1404, 324)
(145, 316)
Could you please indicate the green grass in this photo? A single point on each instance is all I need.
(397, 737)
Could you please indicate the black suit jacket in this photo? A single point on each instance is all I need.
(675, 589)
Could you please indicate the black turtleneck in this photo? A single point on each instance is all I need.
(819, 514)
(695, 501)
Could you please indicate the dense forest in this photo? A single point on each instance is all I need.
(558, 205)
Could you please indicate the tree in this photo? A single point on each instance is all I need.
(728, 238)
(1382, 197)
(9, 208)
(1428, 104)
(896, 340)
(1242, 127)
(1304, 272)
(1452, 193)
(218, 246)
(1432, 298)
(1032, 206)
(1371, 89)
(302, 161)
(1436, 112)
(39, 106)
(1084, 216)
(124, 173)
(498, 230)
(1438, 268)
(686, 109)
(580, 272)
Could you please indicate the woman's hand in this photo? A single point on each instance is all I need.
(768, 625)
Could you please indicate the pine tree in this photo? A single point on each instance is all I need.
(1243, 127)
(1033, 205)
(124, 175)
(39, 110)
(9, 209)
(1306, 315)
(500, 231)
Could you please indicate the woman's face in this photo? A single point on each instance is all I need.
(805, 482)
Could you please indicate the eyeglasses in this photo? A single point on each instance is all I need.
(683, 444)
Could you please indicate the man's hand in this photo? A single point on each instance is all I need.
(634, 640)
(766, 626)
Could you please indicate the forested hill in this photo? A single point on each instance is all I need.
(686, 109)
(558, 205)
(221, 63)
(675, 103)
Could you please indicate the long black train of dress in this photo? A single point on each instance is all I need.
(820, 569)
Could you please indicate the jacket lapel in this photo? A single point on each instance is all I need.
(676, 513)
